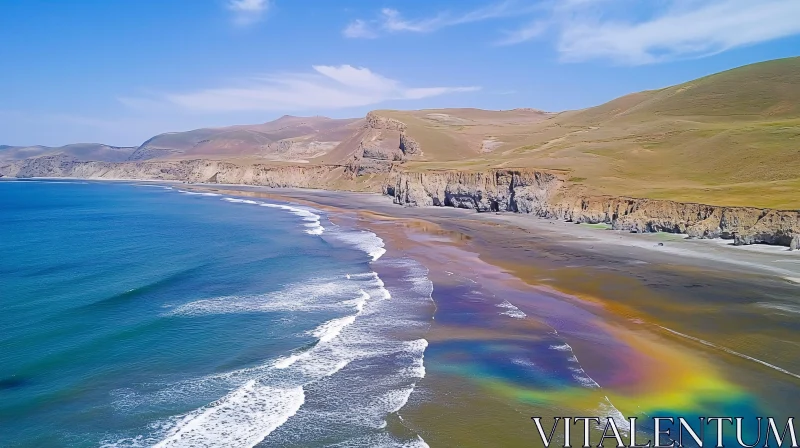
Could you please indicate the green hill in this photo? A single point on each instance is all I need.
(732, 138)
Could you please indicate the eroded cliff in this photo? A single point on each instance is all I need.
(283, 176)
(548, 195)
(372, 159)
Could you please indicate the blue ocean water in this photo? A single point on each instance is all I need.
(140, 315)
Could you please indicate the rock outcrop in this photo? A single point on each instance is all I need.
(546, 194)
(312, 176)
(380, 144)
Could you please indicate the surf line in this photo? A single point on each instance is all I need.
(732, 352)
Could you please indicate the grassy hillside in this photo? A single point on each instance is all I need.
(732, 138)
(287, 138)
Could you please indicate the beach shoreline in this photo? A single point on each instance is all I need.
(632, 312)
(757, 258)
(535, 317)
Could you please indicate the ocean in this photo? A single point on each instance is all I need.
(140, 315)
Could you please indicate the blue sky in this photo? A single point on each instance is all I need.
(119, 72)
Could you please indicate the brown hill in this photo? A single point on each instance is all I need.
(285, 139)
(77, 151)
(732, 138)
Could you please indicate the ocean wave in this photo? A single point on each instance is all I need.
(611, 412)
(364, 240)
(511, 310)
(332, 328)
(581, 377)
(196, 193)
(242, 418)
(316, 294)
(163, 187)
(561, 348)
(312, 220)
(334, 395)
(382, 441)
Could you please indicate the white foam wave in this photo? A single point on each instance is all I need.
(416, 350)
(585, 380)
(316, 294)
(394, 400)
(364, 240)
(360, 301)
(523, 362)
(163, 187)
(382, 441)
(196, 193)
(312, 220)
(511, 310)
(611, 412)
(242, 418)
(332, 328)
(359, 396)
(561, 348)
(287, 361)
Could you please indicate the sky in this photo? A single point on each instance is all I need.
(119, 72)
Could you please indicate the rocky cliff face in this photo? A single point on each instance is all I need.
(382, 142)
(540, 193)
(314, 176)
(546, 194)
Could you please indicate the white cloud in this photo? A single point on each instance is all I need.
(600, 29)
(359, 29)
(712, 28)
(248, 12)
(391, 20)
(327, 87)
(630, 32)
(530, 31)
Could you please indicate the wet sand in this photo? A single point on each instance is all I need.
(545, 318)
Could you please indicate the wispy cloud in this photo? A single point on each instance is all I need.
(359, 29)
(392, 21)
(324, 88)
(679, 29)
(712, 28)
(628, 32)
(248, 12)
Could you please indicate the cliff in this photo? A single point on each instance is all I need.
(286, 176)
(548, 195)
(540, 193)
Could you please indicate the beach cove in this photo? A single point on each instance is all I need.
(537, 317)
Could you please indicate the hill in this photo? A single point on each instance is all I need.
(732, 138)
(288, 138)
(77, 151)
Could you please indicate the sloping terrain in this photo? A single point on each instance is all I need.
(77, 151)
(642, 162)
(732, 138)
(288, 138)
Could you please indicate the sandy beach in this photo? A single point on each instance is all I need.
(644, 324)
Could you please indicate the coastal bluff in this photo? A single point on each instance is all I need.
(541, 193)
(549, 195)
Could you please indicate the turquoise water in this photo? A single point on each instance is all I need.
(138, 315)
